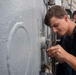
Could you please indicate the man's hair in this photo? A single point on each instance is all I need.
(55, 11)
(74, 13)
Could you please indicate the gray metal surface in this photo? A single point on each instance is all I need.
(20, 25)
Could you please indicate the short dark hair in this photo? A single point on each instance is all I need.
(74, 13)
(54, 11)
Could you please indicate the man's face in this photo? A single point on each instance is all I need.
(59, 26)
(75, 16)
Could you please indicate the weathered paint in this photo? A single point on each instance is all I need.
(20, 26)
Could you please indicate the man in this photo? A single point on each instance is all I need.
(57, 19)
(74, 16)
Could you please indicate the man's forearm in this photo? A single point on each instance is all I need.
(71, 60)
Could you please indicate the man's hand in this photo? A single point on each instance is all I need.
(58, 52)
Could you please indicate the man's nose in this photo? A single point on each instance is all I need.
(54, 30)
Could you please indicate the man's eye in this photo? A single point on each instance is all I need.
(55, 25)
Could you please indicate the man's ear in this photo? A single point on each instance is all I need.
(66, 18)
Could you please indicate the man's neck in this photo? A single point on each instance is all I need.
(71, 27)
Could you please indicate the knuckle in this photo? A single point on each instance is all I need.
(58, 45)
